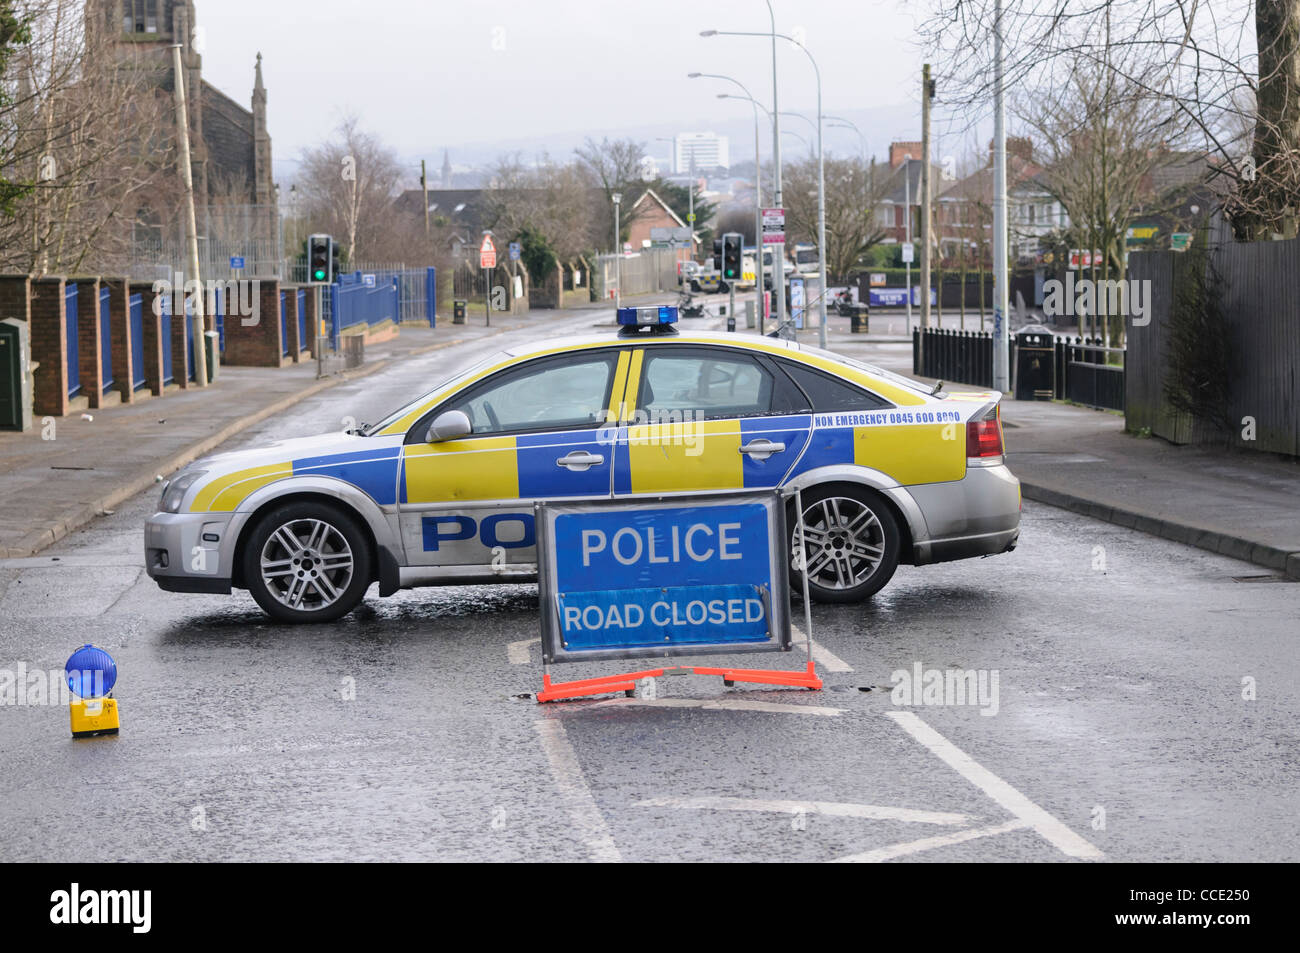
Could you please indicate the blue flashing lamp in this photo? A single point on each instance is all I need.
(654, 319)
(91, 672)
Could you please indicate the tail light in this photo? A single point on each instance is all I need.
(984, 436)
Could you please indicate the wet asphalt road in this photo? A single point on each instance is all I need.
(1121, 730)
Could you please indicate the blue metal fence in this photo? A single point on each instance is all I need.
(302, 319)
(136, 309)
(190, 370)
(165, 321)
(74, 353)
(105, 339)
(219, 318)
(284, 327)
(398, 295)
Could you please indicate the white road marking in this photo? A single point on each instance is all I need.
(573, 789)
(517, 652)
(724, 704)
(820, 653)
(929, 843)
(871, 812)
(1047, 826)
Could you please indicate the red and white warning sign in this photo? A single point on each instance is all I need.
(487, 253)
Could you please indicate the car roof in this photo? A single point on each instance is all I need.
(722, 338)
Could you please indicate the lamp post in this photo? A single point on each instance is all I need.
(618, 253)
(821, 155)
(758, 187)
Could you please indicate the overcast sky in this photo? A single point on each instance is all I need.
(473, 75)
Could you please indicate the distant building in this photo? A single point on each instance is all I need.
(650, 212)
(707, 150)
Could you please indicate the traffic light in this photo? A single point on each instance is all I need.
(320, 260)
(717, 255)
(731, 253)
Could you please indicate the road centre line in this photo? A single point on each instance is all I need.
(723, 704)
(575, 794)
(871, 812)
(1048, 827)
(820, 653)
(929, 843)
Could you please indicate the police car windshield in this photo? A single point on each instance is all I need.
(448, 382)
(872, 369)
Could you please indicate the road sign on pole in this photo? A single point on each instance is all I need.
(773, 226)
(487, 252)
(515, 251)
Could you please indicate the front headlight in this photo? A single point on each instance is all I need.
(174, 491)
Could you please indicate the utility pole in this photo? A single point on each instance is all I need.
(778, 201)
(907, 231)
(926, 197)
(424, 185)
(618, 254)
(191, 228)
(1001, 341)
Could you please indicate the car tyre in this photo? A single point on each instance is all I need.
(307, 562)
(853, 543)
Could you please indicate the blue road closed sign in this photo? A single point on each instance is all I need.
(662, 578)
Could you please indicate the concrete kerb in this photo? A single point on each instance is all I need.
(37, 540)
(1270, 557)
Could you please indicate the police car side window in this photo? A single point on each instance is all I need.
(708, 385)
(827, 393)
(555, 396)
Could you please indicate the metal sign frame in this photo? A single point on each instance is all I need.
(776, 599)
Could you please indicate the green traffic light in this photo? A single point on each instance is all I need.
(320, 274)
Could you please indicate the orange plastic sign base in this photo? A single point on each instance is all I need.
(553, 691)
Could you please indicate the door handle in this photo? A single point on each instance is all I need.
(762, 448)
(580, 460)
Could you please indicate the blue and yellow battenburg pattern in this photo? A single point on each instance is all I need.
(910, 443)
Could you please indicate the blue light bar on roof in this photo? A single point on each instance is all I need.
(647, 317)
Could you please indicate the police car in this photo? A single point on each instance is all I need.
(441, 492)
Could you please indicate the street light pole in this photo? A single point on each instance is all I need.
(821, 156)
(1001, 335)
(907, 229)
(758, 190)
(618, 254)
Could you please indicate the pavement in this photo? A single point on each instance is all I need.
(67, 471)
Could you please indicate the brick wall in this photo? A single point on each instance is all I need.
(119, 320)
(49, 347)
(259, 344)
(89, 357)
(16, 297)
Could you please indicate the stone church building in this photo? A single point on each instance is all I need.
(230, 145)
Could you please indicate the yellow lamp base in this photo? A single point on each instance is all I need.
(93, 716)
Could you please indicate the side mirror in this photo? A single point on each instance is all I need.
(448, 426)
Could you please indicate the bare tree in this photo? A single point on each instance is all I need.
(1226, 72)
(854, 190)
(349, 185)
(82, 125)
(1102, 137)
(614, 166)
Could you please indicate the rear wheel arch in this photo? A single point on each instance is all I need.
(907, 528)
